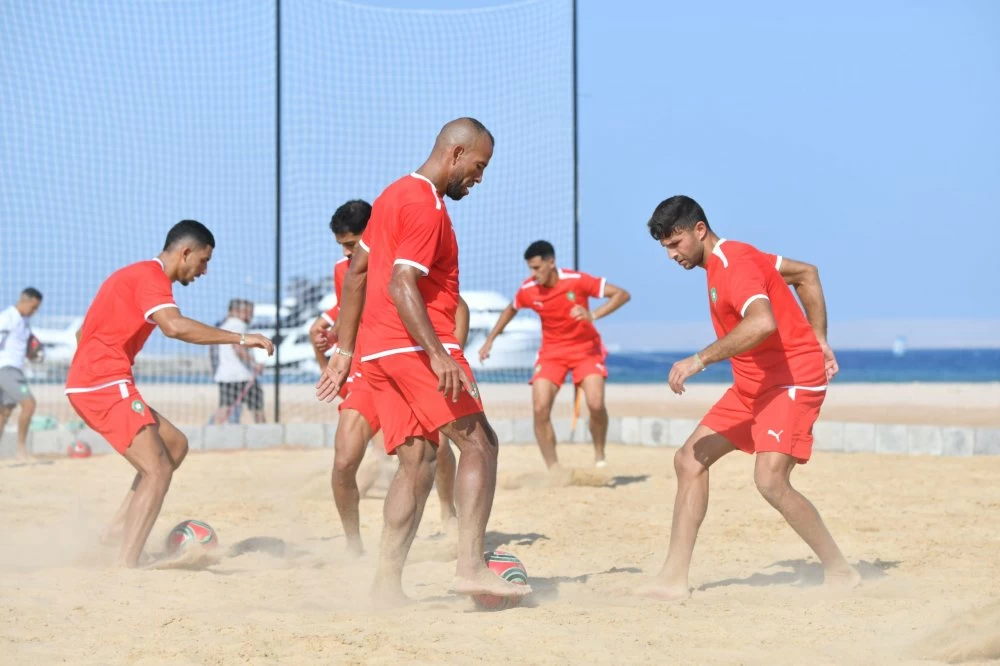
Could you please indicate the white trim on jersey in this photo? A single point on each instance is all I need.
(743, 310)
(91, 389)
(160, 262)
(363, 247)
(717, 251)
(793, 389)
(163, 306)
(407, 262)
(405, 350)
(328, 319)
(604, 283)
(437, 199)
(777, 263)
(568, 276)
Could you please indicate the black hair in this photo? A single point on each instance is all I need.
(31, 292)
(189, 229)
(351, 217)
(540, 248)
(677, 212)
(480, 128)
(239, 303)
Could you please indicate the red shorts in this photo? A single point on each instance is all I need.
(117, 413)
(779, 419)
(405, 392)
(360, 399)
(581, 361)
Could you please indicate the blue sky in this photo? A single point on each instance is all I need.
(861, 137)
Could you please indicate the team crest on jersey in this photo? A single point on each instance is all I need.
(138, 407)
(24, 388)
(538, 368)
(713, 295)
(571, 295)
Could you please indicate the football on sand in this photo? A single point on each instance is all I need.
(78, 449)
(190, 533)
(510, 569)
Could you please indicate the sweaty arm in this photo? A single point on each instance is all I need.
(412, 310)
(462, 322)
(352, 300)
(757, 325)
(175, 325)
(616, 296)
(805, 278)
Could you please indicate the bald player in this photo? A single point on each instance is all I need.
(405, 275)
(131, 303)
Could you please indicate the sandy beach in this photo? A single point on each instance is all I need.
(974, 405)
(920, 529)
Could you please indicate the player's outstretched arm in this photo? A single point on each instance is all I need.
(352, 302)
(616, 296)
(462, 322)
(757, 325)
(805, 278)
(413, 312)
(505, 317)
(175, 325)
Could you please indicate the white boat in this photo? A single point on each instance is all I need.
(514, 349)
(58, 336)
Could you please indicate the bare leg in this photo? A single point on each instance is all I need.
(691, 463)
(543, 394)
(475, 486)
(24, 426)
(350, 442)
(259, 417)
(445, 482)
(176, 444)
(404, 506)
(375, 462)
(593, 391)
(148, 454)
(5, 413)
(772, 475)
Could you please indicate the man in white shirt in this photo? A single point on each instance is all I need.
(15, 336)
(236, 372)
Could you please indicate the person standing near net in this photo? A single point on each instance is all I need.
(15, 346)
(406, 279)
(570, 342)
(236, 372)
(359, 422)
(781, 365)
(129, 305)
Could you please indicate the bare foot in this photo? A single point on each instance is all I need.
(389, 595)
(663, 590)
(601, 464)
(842, 579)
(190, 557)
(485, 581)
(354, 548)
(24, 456)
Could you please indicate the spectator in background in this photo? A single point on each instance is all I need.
(236, 371)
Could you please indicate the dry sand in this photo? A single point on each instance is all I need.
(974, 405)
(923, 531)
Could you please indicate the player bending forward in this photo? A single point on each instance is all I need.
(129, 305)
(358, 421)
(570, 342)
(405, 274)
(781, 367)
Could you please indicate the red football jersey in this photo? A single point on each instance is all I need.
(560, 331)
(738, 275)
(339, 271)
(409, 225)
(118, 324)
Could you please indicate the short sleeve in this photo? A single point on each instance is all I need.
(746, 284)
(366, 238)
(516, 301)
(419, 237)
(330, 316)
(338, 280)
(152, 294)
(773, 259)
(592, 286)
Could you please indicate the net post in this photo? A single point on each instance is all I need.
(277, 211)
(576, 158)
